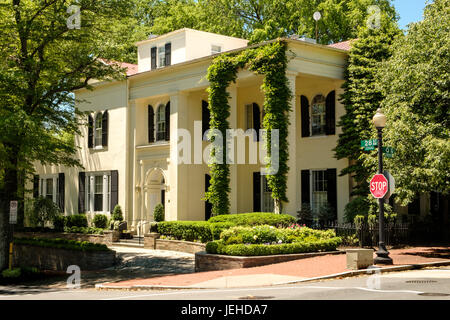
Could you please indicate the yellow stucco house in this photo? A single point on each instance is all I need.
(129, 151)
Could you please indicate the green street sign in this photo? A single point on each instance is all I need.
(389, 152)
(369, 144)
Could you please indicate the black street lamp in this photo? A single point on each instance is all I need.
(379, 120)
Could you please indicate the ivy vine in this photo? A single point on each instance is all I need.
(269, 60)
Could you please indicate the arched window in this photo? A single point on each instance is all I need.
(318, 115)
(161, 123)
(98, 130)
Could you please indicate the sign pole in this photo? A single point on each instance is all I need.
(382, 253)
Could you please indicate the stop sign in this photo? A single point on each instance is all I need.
(378, 186)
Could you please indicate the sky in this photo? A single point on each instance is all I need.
(409, 11)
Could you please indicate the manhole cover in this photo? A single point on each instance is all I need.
(255, 298)
(434, 294)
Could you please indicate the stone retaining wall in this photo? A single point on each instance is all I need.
(45, 258)
(108, 236)
(210, 262)
(152, 241)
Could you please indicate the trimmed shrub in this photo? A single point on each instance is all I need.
(218, 247)
(218, 228)
(255, 218)
(13, 273)
(186, 230)
(62, 244)
(117, 213)
(84, 230)
(100, 221)
(77, 220)
(158, 213)
(59, 222)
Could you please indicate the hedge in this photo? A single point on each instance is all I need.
(255, 218)
(62, 244)
(83, 230)
(218, 247)
(193, 230)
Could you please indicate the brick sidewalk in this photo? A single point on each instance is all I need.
(305, 268)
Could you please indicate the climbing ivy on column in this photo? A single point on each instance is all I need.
(269, 60)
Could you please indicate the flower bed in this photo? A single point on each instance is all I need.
(267, 240)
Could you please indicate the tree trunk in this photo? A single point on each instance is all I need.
(277, 206)
(9, 193)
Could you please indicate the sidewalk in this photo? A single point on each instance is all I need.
(286, 272)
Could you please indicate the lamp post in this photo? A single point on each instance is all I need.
(379, 121)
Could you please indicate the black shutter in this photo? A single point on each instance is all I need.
(168, 121)
(61, 186)
(168, 50)
(305, 116)
(206, 116)
(105, 129)
(153, 58)
(330, 114)
(256, 120)
(332, 190)
(151, 124)
(81, 192)
(256, 191)
(90, 132)
(35, 186)
(305, 187)
(208, 205)
(114, 189)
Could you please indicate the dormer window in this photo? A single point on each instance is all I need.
(161, 56)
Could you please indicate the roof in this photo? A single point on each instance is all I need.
(131, 68)
(344, 45)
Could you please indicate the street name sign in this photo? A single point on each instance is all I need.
(369, 144)
(13, 212)
(378, 186)
(388, 151)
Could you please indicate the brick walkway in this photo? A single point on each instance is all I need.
(304, 268)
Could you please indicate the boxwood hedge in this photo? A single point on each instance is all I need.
(62, 244)
(255, 218)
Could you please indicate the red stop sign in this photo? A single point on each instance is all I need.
(378, 186)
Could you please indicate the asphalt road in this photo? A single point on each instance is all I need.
(428, 284)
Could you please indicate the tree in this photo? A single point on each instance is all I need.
(44, 57)
(361, 99)
(415, 82)
(260, 20)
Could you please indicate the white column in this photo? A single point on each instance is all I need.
(178, 173)
(232, 90)
(293, 176)
(142, 184)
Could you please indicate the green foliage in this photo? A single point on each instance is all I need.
(359, 220)
(255, 218)
(59, 222)
(76, 220)
(357, 206)
(218, 247)
(84, 230)
(218, 227)
(361, 98)
(186, 230)
(305, 215)
(158, 213)
(13, 273)
(269, 60)
(100, 221)
(62, 244)
(415, 82)
(42, 210)
(117, 214)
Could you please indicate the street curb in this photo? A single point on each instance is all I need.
(103, 286)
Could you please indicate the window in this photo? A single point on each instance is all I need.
(216, 49)
(318, 114)
(161, 123)
(267, 200)
(319, 190)
(161, 57)
(49, 189)
(253, 119)
(98, 192)
(98, 130)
